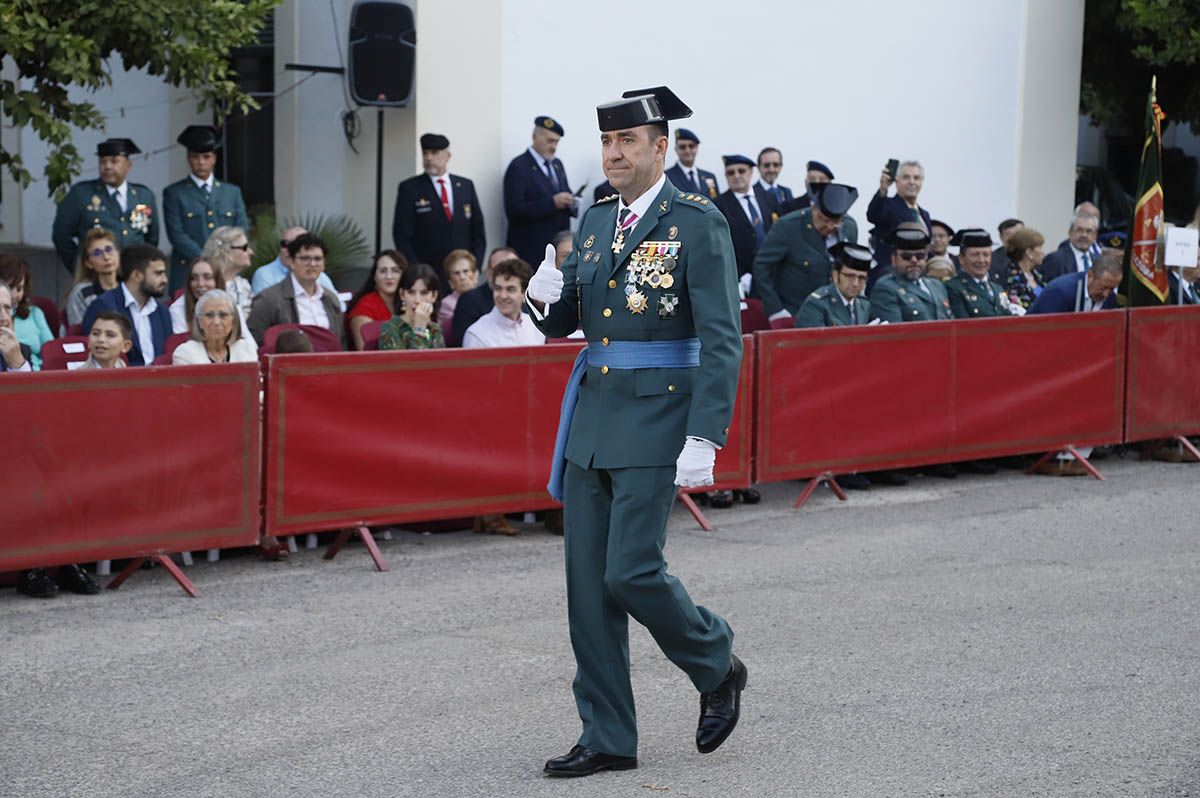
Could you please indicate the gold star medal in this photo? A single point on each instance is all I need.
(636, 303)
(619, 243)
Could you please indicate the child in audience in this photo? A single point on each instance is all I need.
(110, 338)
(292, 342)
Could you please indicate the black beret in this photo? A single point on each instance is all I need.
(834, 199)
(851, 256)
(117, 147)
(199, 138)
(731, 160)
(971, 237)
(434, 141)
(908, 235)
(1114, 239)
(683, 134)
(817, 166)
(641, 107)
(548, 123)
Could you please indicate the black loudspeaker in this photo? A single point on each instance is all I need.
(383, 53)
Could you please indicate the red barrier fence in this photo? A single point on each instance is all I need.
(129, 463)
(1162, 388)
(865, 398)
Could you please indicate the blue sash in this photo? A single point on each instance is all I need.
(679, 354)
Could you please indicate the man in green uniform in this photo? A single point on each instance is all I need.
(127, 210)
(841, 303)
(199, 203)
(794, 261)
(973, 294)
(906, 294)
(653, 282)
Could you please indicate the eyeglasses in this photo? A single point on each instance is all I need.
(309, 259)
(241, 247)
(914, 256)
(223, 315)
(854, 276)
(98, 251)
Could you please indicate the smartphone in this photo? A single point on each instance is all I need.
(579, 191)
(892, 165)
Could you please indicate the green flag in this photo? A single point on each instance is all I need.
(1145, 281)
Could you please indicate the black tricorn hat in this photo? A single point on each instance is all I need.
(834, 199)
(971, 237)
(851, 256)
(908, 235)
(199, 138)
(641, 107)
(117, 147)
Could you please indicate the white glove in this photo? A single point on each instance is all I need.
(744, 284)
(546, 285)
(694, 468)
(873, 322)
(779, 314)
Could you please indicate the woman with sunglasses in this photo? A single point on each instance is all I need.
(97, 269)
(229, 251)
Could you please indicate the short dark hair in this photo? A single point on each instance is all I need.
(306, 241)
(513, 267)
(561, 236)
(659, 129)
(14, 271)
(765, 150)
(1009, 224)
(291, 342)
(1111, 261)
(119, 319)
(421, 271)
(136, 257)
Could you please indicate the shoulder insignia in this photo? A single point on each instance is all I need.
(609, 198)
(695, 201)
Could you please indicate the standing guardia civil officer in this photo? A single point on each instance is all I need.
(199, 203)
(127, 210)
(652, 280)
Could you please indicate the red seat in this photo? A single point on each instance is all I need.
(172, 344)
(753, 317)
(370, 335)
(178, 293)
(74, 329)
(322, 340)
(162, 360)
(51, 312)
(58, 353)
(783, 323)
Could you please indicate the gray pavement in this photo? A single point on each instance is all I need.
(988, 636)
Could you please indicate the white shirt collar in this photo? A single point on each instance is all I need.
(642, 204)
(201, 183)
(434, 180)
(505, 321)
(537, 157)
(765, 185)
(132, 303)
(299, 289)
(118, 191)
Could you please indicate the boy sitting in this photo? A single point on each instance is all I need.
(110, 338)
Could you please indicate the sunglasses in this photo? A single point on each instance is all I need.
(98, 251)
(240, 247)
(913, 257)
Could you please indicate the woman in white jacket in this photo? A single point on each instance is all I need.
(216, 334)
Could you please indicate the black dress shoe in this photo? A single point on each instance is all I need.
(747, 496)
(77, 580)
(36, 584)
(943, 470)
(854, 482)
(580, 761)
(720, 499)
(978, 467)
(888, 478)
(720, 709)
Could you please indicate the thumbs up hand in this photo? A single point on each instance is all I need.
(546, 285)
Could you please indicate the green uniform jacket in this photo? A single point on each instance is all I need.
(88, 205)
(793, 261)
(190, 214)
(640, 417)
(896, 299)
(825, 308)
(970, 300)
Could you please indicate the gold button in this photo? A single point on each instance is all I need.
(210, 213)
(671, 388)
(612, 283)
(604, 369)
(124, 232)
(607, 312)
(604, 341)
(211, 225)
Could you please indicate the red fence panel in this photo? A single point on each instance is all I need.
(732, 468)
(1163, 393)
(864, 398)
(112, 464)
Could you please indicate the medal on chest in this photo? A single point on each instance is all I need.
(652, 264)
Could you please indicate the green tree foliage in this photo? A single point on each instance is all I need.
(1127, 41)
(57, 44)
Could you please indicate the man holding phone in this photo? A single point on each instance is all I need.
(887, 212)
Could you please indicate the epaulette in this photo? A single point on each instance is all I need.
(696, 201)
(609, 198)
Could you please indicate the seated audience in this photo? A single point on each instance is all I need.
(462, 272)
(1023, 279)
(291, 342)
(413, 328)
(301, 299)
(1082, 292)
(97, 269)
(29, 323)
(217, 335)
(271, 273)
(473, 304)
(377, 300)
(14, 355)
(906, 294)
(229, 251)
(974, 294)
(940, 268)
(201, 278)
(563, 242)
(1000, 254)
(1075, 255)
(940, 235)
(144, 280)
(505, 324)
(841, 303)
(1185, 291)
(110, 338)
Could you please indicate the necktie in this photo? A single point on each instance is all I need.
(695, 182)
(445, 199)
(208, 189)
(778, 194)
(119, 196)
(1087, 261)
(756, 220)
(853, 313)
(987, 287)
(551, 174)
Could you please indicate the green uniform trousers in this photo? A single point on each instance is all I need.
(616, 527)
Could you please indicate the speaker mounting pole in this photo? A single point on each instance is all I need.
(378, 178)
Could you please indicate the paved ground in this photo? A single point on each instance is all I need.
(1003, 636)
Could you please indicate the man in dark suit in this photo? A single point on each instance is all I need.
(886, 213)
(749, 213)
(1080, 292)
(1075, 255)
(143, 281)
(999, 255)
(685, 175)
(816, 174)
(437, 212)
(603, 190)
(770, 164)
(478, 302)
(537, 197)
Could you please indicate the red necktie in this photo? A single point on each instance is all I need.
(445, 200)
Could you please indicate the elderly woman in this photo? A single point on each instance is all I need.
(97, 269)
(462, 272)
(229, 252)
(940, 267)
(201, 278)
(216, 334)
(378, 299)
(1024, 281)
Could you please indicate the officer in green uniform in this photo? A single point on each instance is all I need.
(653, 282)
(794, 261)
(973, 294)
(841, 303)
(199, 203)
(906, 294)
(127, 210)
